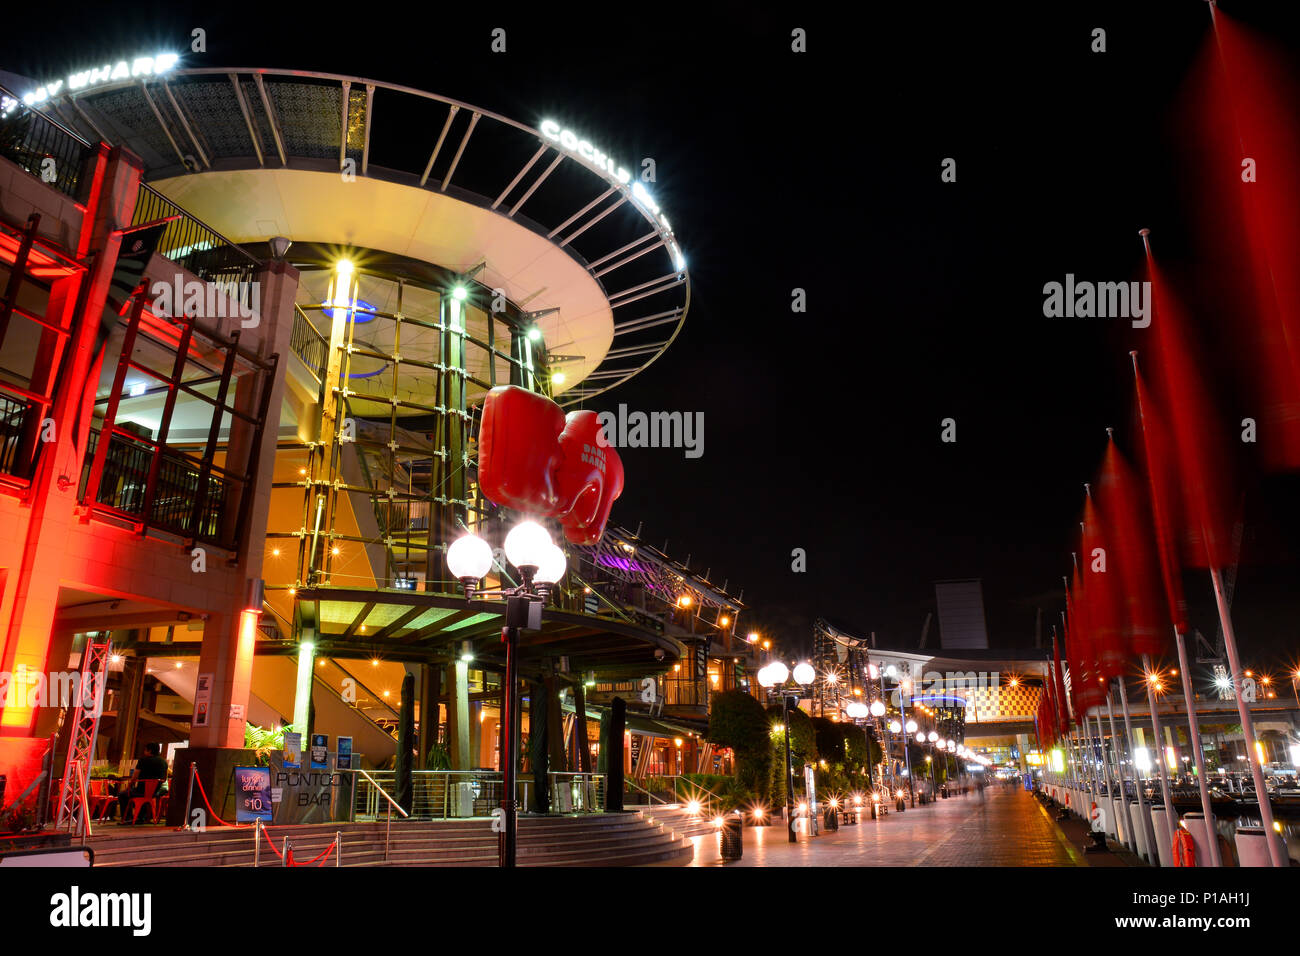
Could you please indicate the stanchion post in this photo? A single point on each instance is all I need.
(284, 852)
(338, 848)
(189, 795)
(257, 841)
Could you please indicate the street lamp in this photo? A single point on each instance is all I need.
(774, 677)
(541, 564)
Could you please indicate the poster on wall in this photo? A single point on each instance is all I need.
(253, 794)
(319, 751)
(292, 750)
(202, 700)
(343, 760)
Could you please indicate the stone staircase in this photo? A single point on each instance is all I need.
(680, 820)
(628, 839)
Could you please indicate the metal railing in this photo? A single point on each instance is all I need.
(192, 243)
(464, 794)
(577, 792)
(125, 479)
(13, 421)
(379, 791)
(42, 146)
(631, 787)
(308, 344)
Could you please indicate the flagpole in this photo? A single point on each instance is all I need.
(1276, 853)
(1185, 672)
(1110, 787)
(1119, 768)
(1171, 815)
(1147, 828)
(1193, 726)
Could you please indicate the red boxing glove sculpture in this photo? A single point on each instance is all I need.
(588, 479)
(518, 449)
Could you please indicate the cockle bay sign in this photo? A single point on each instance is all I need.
(597, 158)
(104, 73)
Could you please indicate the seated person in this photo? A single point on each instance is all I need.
(149, 767)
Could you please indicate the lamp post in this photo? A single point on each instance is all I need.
(776, 678)
(541, 564)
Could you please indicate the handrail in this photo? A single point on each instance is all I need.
(681, 776)
(375, 783)
(388, 827)
(633, 784)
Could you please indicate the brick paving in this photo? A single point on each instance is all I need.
(1003, 827)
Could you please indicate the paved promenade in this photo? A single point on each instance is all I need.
(1004, 827)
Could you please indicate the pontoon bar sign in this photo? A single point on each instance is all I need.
(571, 142)
(121, 70)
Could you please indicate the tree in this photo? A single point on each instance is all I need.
(803, 747)
(737, 720)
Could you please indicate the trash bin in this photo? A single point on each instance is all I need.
(733, 837)
(464, 799)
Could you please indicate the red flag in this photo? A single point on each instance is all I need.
(1059, 685)
(1250, 144)
(1197, 439)
(1100, 589)
(1156, 462)
(1085, 684)
(1142, 618)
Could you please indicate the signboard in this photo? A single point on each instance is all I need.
(292, 749)
(202, 700)
(319, 751)
(343, 760)
(253, 794)
(309, 796)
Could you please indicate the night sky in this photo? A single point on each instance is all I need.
(822, 171)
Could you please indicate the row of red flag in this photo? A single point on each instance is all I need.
(1169, 503)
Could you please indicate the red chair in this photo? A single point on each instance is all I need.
(136, 804)
(101, 800)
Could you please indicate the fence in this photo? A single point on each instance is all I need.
(42, 146)
(452, 794)
(192, 243)
(126, 477)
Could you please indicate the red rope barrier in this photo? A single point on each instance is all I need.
(272, 842)
(204, 794)
(288, 857)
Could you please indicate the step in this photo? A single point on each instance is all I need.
(578, 840)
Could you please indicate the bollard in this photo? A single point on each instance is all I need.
(1194, 823)
(1252, 847)
(1166, 852)
(1139, 833)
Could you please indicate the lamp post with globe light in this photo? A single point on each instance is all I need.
(776, 678)
(541, 564)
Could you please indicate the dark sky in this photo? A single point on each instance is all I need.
(822, 171)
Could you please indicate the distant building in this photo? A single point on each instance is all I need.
(961, 615)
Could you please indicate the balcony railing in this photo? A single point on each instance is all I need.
(126, 477)
(42, 146)
(192, 243)
(13, 422)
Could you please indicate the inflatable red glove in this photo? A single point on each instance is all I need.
(519, 450)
